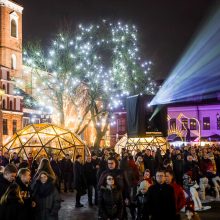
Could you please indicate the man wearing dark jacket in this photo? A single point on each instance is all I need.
(79, 180)
(23, 180)
(91, 181)
(178, 168)
(7, 178)
(149, 162)
(66, 167)
(161, 199)
(56, 168)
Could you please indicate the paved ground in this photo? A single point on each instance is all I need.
(69, 212)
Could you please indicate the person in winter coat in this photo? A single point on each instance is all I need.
(91, 181)
(23, 180)
(66, 166)
(192, 166)
(110, 200)
(140, 165)
(12, 204)
(178, 168)
(5, 159)
(147, 177)
(132, 172)
(121, 179)
(149, 161)
(44, 166)
(161, 199)
(7, 178)
(179, 193)
(56, 168)
(133, 179)
(47, 198)
(120, 176)
(79, 180)
(141, 201)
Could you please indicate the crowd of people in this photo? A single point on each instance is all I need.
(141, 184)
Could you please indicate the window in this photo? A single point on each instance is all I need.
(172, 123)
(206, 123)
(11, 105)
(3, 104)
(184, 123)
(8, 75)
(35, 120)
(14, 127)
(13, 61)
(193, 124)
(26, 121)
(5, 126)
(13, 28)
(3, 87)
(121, 125)
(218, 121)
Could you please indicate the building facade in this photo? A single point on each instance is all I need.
(202, 120)
(11, 37)
(11, 107)
(16, 109)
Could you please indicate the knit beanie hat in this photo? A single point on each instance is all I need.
(143, 185)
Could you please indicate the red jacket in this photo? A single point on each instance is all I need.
(179, 196)
(133, 173)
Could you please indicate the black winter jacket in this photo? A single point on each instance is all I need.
(142, 207)
(161, 202)
(13, 209)
(110, 203)
(27, 198)
(47, 200)
(4, 184)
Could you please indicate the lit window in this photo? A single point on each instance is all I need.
(192, 124)
(184, 123)
(13, 28)
(121, 125)
(13, 62)
(14, 126)
(206, 123)
(172, 123)
(5, 126)
(218, 121)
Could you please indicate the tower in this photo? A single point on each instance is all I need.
(11, 36)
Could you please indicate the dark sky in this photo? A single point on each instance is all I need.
(165, 26)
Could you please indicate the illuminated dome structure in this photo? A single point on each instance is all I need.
(44, 140)
(151, 142)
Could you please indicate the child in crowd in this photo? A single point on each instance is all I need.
(141, 201)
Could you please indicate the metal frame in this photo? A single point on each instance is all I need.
(34, 132)
(151, 142)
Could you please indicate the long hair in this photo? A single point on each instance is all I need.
(12, 192)
(45, 166)
(105, 180)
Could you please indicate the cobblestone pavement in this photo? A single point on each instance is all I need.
(69, 212)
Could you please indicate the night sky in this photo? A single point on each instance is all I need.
(166, 27)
